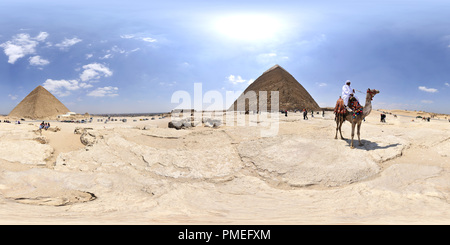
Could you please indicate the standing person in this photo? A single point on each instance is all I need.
(305, 114)
(347, 92)
(285, 113)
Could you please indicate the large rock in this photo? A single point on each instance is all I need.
(41, 186)
(89, 138)
(212, 122)
(298, 161)
(183, 123)
(198, 156)
(80, 130)
(25, 151)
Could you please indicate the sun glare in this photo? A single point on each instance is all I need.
(248, 27)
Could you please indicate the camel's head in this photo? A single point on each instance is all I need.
(372, 92)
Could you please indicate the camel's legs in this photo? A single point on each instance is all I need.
(336, 118)
(340, 126)
(359, 128)
(353, 133)
(339, 123)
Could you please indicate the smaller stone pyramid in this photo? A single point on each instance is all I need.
(39, 104)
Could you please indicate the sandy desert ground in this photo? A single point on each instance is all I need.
(145, 173)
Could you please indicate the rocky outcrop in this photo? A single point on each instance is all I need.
(24, 147)
(185, 123)
(79, 130)
(41, 186)
(89, 138)
(195, 157)
(211, 122)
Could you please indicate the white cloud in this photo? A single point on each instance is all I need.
(21, 45)
(42, 36)
(138, 37)
(68, 43)
(94, 71)
(447, 84)
(85, 85)
(427, 101)
(127, 36)
(235, 79)
(322, 84)
(63, 87)
(13, 97)
(38, 61)
(105, 91)
(270, 58)
(167, 84)
(428, 90)
(88, 56)
(238, 80)
(148, 39)
(110, 53)
(107, 56)
(116, 49)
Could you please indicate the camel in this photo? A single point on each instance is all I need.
(357, 120)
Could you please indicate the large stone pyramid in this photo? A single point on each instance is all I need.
(39, 104)
(291, 93)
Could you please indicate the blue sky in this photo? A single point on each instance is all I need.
(131, 56)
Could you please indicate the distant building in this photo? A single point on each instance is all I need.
(68, 114)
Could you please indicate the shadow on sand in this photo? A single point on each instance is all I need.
(369, 145)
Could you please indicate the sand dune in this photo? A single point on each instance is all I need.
(145, 173)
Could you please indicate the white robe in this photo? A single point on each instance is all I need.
(346, 91)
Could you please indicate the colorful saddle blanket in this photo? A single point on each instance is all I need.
(355, 106)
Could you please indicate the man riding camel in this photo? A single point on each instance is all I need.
(351, 102)
(348, 92)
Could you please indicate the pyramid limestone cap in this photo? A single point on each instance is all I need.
(273, 68)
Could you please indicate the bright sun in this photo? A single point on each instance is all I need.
(248, 27)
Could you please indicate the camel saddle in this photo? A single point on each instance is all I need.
(340, 107)
(354, 105)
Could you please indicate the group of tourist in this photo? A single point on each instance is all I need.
(44, 125)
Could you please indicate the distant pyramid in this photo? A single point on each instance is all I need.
(291, 94)
(39, 104)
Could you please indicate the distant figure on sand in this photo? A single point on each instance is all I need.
(285, 113)
(347, 92)
(305, 114)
